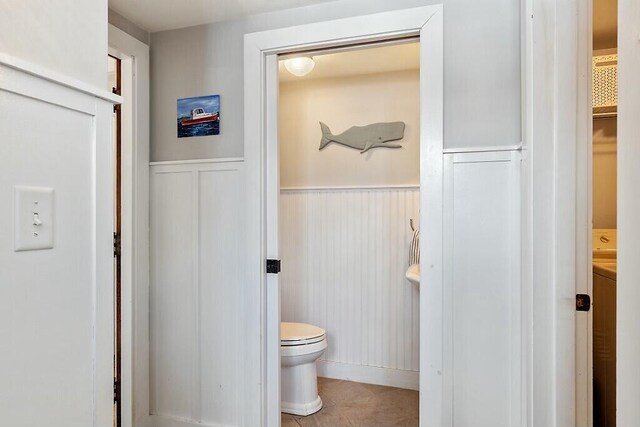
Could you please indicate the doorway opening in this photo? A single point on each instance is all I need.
(131, 140)
(604, 212)
(115, 83)
(348, 218)
(597, 213)
(262, 52)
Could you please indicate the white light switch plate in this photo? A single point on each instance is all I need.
(33, 218)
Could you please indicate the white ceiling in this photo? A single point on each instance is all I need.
(159, 15)
(399, 57)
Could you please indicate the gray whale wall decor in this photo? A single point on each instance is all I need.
(364, 138)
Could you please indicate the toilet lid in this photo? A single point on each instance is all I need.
(302, 333)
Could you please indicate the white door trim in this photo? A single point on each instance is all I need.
(29, 68)
(261, 360)
(556, 211)
(135, 225)
(584, 215)
(628, 318)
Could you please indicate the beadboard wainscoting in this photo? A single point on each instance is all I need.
(344, 255)
(196, 314)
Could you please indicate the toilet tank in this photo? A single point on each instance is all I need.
(605, 242)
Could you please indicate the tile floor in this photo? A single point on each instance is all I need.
(350, 404)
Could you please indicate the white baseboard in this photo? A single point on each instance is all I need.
(169, 421)
(369, 374)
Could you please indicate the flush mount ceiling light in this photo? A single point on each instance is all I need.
(300, 66)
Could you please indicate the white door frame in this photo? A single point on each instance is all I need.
(559, 133)
(135, 225)
(628, 321)
(262, 345)
(584, 214)
(557, 137)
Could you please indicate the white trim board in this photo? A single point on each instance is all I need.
(484, 149)
(46, 90)
(628, 320)
(556, 234)
(260, 91)
(197, 161)
(369, 374)
(135, 225)
(59, 79)
(169, 421)
(351, 188)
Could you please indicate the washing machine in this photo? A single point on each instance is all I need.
(604, 327)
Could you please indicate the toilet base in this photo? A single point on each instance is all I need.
(299, 378)
(303, 409)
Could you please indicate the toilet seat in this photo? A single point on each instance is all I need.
(298, 334)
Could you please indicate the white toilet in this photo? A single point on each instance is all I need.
(300, 346)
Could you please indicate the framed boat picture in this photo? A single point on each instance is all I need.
(199, 116)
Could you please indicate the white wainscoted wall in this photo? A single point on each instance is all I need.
(196, 314)
(56, 304)
(345, 253)
(486, 322)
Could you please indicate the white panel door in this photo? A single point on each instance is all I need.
(482, 299)
(56, 305)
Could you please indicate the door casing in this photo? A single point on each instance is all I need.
(557, 139)
(134, 387)
(262, 293)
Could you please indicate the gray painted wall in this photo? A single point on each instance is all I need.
(482, 73)
(129, 27)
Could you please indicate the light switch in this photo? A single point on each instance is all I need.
(33, 218)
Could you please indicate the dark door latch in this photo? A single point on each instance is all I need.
(273, 266)
(583, 302)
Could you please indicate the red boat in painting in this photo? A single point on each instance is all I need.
(198, 115)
